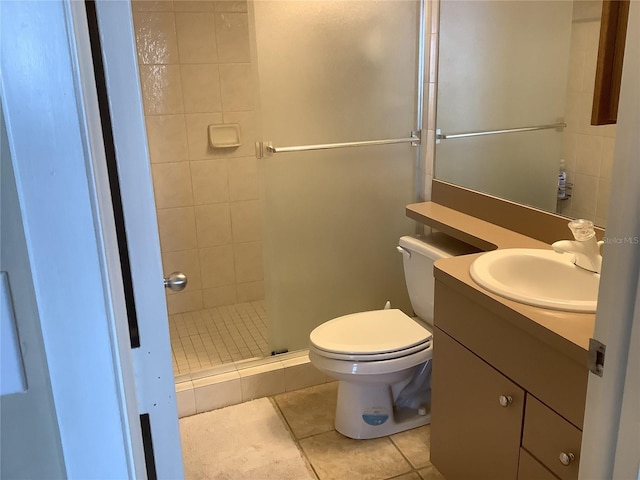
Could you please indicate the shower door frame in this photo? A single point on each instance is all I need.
(265, 151)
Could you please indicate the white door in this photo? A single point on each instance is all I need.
(101, 387)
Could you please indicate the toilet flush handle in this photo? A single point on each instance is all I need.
(404, 251)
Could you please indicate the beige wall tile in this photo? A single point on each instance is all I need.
(569, 148)
(185, 301)
(156, 40)
(192, 6)
(217, 266)
(248, 261)
(592, 38)
(187, 262)
(185, 398)
(172, 184)
(213, 224)
(232, 37)
(302, 375)
(258, 382)
(243, 178)
(237, 87)
(217, 391)
(198, 136)
(177, 228)
(247, 121)
(578, 37)
(585, 107)
(572, 112)
(588, 155)
(606, 165)
(217, 296)
(201, 88)
(210, 181)
(196, 37)
(167, 136)
(152, 6)
(585, 194)
(604, 193)
(576, 71)
(248, 292)
(182, 93)
(246, 221)
(161, 89)
(230, 6)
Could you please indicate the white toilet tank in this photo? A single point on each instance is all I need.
(419, 254)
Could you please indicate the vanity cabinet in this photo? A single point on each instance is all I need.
(505, 403)
(474, 431)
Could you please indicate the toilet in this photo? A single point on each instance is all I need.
(382, 358)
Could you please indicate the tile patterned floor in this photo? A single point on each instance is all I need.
(309, 415)
(211, 337)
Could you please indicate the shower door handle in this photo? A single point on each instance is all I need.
(176, 281)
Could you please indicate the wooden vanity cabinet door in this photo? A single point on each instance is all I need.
(547, 435)
(472, 435)
(530, 469)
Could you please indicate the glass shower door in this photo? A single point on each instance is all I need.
(330, 72)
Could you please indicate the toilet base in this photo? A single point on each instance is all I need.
(366, 411)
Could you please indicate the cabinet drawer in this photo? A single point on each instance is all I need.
(547, 436)
(556, 379)
(530, 469)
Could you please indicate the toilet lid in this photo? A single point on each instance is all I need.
(374, 332)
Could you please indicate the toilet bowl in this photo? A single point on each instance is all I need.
(382, 358)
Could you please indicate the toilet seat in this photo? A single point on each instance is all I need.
(370, 336)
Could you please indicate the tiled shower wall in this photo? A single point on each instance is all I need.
(588, 150)
(195, 71)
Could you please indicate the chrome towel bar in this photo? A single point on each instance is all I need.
(265, 149)
(448, 136)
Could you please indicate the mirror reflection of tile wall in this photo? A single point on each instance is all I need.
(195, 70)
(588, 150)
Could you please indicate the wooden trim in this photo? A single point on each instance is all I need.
(613, 32)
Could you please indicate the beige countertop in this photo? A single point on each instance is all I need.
(565, 331)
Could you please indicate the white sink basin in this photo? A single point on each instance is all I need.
(542, 278)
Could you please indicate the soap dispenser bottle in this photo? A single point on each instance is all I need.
(562, 181)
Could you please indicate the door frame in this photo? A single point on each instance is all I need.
(152, 360)
(612, 418)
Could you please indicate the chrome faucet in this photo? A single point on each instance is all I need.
(585, 248)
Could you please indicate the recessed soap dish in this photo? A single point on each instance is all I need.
(224, 136)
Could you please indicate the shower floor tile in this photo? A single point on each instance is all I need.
(214, 336)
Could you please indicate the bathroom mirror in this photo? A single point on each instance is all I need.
(508, 65)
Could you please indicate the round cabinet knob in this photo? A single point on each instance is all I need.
(176, 281)
(567, 458)
(505, 400)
